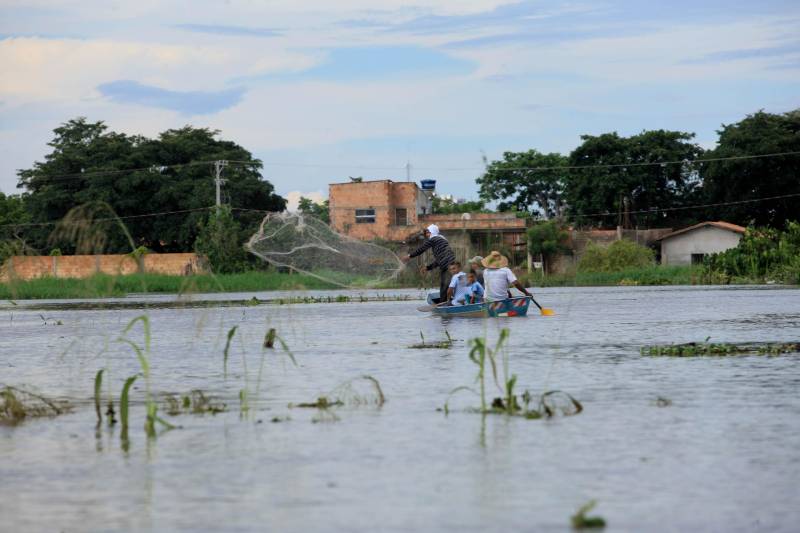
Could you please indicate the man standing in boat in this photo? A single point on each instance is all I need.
(443, 257)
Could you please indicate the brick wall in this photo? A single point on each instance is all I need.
(385, 197)
(83, 266)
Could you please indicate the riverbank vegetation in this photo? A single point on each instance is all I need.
(763, 254)
(104, 286)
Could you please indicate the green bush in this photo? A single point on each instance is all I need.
(762, 254)
(219, 242)
(620, 255)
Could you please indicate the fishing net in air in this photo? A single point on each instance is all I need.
(306, 244)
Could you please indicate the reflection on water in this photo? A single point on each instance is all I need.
(663, 443)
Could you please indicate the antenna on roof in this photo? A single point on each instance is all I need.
(408, 170)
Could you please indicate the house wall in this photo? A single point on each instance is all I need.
(678, 250)
(382, 196)
(84, 266)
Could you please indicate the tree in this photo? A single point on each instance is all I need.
(743, 179)
(13, 218)
(139, 176)
(220, 242)
(627, 185)
(547, 239)
(320, 210)
(520, 188)
(446, 205)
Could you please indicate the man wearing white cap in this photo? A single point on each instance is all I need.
(443, 256)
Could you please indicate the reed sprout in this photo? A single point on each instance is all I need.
(550, 403)
(580, 521)
(143, 356)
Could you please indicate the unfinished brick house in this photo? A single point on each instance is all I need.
(383, 209)
(398, 211)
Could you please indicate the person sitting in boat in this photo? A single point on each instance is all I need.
(443, 256)
(474, 289)
(457, 290)
(475, 266)
(499, 278)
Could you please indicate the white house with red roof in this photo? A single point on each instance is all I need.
(688, 246)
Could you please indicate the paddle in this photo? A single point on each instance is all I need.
(544, 311)
(426, 308)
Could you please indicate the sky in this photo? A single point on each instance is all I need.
(322, 90)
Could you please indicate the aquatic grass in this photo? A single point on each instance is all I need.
(195, 403)
(580, 521)
(98, 384)
(142, 354)
(698, 349)
(17, 405)
(441, 345)
(123, 406)
(231, 333)
(346, 393)
(550, 402)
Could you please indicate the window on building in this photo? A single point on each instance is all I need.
(365, 216)
(401, 216)
(697, 259)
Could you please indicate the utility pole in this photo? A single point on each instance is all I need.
(218, 181)
(408, 170)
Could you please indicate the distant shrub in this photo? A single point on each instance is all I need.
(763, 253)
(619, 255)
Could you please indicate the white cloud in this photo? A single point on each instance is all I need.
(293, 198)
(36, 69)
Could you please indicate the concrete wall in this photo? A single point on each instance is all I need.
(678, 250)
(83, 266)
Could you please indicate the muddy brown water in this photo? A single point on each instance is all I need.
(725, 455)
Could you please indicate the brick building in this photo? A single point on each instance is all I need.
(381, 209)
(397, 211)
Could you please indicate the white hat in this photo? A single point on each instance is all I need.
(433, 229)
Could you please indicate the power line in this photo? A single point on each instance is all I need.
(156, 169)
(152, 169)
(619, 165)
(698, 206)
(652, 210)
(109, 219)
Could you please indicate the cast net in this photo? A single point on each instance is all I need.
(306, 244)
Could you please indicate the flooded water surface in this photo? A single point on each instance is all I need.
(663, 444)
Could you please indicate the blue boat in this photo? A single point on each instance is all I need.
(517, 306)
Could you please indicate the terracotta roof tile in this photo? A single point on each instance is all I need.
(717, 224)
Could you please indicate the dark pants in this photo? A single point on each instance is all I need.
(444, 281)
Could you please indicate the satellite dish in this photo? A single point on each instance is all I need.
(466, 216)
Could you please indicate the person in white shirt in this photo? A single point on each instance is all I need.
(457, 291)
(498, 278)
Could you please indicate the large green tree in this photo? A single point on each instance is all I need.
(526, 181)
(619, 178)
(735, 180)
(136, 176)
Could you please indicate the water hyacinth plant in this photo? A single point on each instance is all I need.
(695, 349)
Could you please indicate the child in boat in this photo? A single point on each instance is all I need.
(474, 288)
(457, 290)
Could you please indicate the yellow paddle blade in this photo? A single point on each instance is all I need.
(547, 312)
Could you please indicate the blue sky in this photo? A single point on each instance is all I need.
(324, 90)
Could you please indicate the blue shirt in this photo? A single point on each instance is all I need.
(475, 292)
